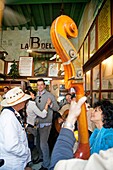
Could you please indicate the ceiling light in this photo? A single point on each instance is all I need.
(54, 57)
(29, 50)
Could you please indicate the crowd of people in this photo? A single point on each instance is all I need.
(40, 106)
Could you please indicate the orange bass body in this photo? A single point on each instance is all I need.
(62, 29)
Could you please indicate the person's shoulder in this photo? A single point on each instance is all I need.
(31, 102)
(49, 93)
(70, 164)
(6, 110)
(7, 114)
(108, 132)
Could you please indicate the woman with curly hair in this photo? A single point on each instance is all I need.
(101, 140)
(102, 117)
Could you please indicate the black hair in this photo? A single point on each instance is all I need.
(41, 80)
(73, 96)
(107, 111)
(29, 88)
(32, 91)
(68, 94)
(6, 87)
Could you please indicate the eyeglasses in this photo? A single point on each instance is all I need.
(39, 100)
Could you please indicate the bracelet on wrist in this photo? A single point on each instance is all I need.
(68, 125)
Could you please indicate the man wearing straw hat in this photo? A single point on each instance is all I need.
(13, 141)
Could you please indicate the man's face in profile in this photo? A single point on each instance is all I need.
(68, 98)
(5, 90)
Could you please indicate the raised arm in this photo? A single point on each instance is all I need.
(54, 105)
(64, 145)
(42, 113)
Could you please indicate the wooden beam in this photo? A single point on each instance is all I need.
(51, 13)
(42, 16)
(23, 13)
(17, 2)
(80, 14)
(104, 52)
(72, 10)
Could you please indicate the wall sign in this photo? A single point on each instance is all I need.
(86, 50)
(104, 24)
(40, 68)
(26, 66)
(1, 66)
(55, 69)
(36, 43)
(93, 41)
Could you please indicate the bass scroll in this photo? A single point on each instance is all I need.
(62, 30)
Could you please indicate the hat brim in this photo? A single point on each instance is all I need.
(24, 98)
(64, 108)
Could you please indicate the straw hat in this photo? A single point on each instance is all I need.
(14, 97)
(72, 90)
(64, 109)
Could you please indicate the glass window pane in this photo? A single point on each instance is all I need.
(88, 80)
(96, 78)
(95, 97)
(107, 73)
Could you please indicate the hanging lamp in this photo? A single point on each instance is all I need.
(3, 52)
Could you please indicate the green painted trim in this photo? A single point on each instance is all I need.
(20, 2)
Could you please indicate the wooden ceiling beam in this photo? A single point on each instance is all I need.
(28, 12)
(33, 23)
(20, 2)
(42, 16)
(12, 28)
(22, 12)
(72, 10)
(35, 14)
(38, 10)
(51, 13)
(80, 14)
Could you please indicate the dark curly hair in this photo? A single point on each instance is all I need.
(32, 91)
(41, 79)
(107, 111)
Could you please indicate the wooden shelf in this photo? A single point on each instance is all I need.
(11, 84)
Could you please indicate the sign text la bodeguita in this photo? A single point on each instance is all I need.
(35, 44)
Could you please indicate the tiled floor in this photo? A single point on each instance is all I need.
(35, 155)
(36, 166)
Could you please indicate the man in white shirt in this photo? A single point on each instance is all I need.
(13, 141)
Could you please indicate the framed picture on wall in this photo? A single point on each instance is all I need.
(55, 69)
(86, 50)
(26, 66)
(93, 41)
(81, 55)
(8, 65)
(107, 73)
(2, 66)
(95, 97)
(107, 68)
(104, 28)
(96, 77)
(40, 68)
(88, 80)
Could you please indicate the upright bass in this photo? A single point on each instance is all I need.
(63, 28)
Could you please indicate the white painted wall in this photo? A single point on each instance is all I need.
(12, 39)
